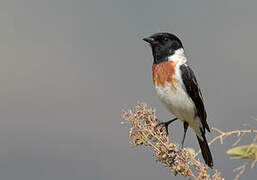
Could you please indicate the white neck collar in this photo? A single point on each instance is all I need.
(179, 55)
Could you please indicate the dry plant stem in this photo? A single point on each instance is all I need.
(241, 170)
(181, 161)
(225, 134)
(240, 134)
(254, 142)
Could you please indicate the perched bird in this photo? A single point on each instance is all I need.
(177, 88)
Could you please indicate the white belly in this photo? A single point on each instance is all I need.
(174, 96)
(177, 102)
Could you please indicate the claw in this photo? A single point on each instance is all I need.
(165, 124)
(162, 125)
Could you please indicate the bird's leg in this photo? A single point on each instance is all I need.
(165, 125)
(185, 131)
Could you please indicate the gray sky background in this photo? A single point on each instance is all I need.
(68, 68)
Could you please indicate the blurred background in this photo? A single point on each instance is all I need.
(68, 68)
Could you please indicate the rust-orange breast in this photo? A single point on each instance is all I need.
(164, 73)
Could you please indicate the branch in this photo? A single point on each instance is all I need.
(240, 133)
(223, 135)
(181, 161)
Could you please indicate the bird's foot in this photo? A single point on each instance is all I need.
(162, 125)
(165, 125)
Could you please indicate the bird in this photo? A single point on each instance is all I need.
(178, 89)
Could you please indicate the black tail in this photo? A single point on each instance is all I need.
(205, 150)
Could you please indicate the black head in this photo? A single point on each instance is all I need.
(163, 45)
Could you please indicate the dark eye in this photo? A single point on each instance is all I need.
(165, 39)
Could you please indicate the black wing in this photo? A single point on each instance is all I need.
(193, 90)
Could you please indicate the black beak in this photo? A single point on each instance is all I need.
(150, 40)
